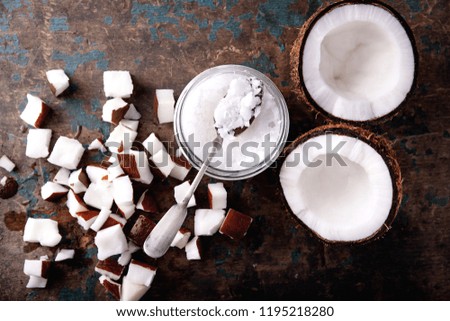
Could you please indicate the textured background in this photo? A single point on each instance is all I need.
(165, 44)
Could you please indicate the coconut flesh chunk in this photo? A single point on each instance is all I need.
(43, 231)
(78, 181)
(35, 111)
(62, 177)
(217, 196)
(66, 153)
(235, 224)
(99, 195)
(97, 174)
(110, 241)
(358, 62)
(121, 137)
(192, 249)
(51, 191)
(86, 218)
(36, 282)
(164, 105)
(114, 219)
(6, 163)
(125, 257)
(97, 144)
(65, 254)
(181, 168)
(122, 191)
(112, 287)
(132, 291)
(153, 144)
(135, 164)
(114, 171)
(141, 230)
(349, 198)
(207, 221)
(141, 273)
(163, 162)
(38, 268)
(181, 238)
(75, 204)
(180, 192)
(100, 220)
(58, 81)
(147, 203)
(131, 124)
(110, 268)
(38, 142)
(117, 84)
(114, 110)
(132, 113)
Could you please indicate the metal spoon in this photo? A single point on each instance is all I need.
(162, 235)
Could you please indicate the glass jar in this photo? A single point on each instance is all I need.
(245, 155)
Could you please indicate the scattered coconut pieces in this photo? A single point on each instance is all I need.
(110, 268)
(163, 163)
(207, 221)
(65, 254)
(99, 195)
(125, 257)
(38, 142)
(117, 84)
(97, 174)
(235, 224)
(97, 144)
(51, 191)
(120, 139)
(193, 249)
(135, 164)
(37, 268)
(132, 291)
(164, 105)
(42, 230)
(147, 203)
(58, 81)
(78, 181)
(35, 111)
(141, 273)
(141, 230)
(86, 218)
(66, 153)
(181, 238)
(114, 110)
(153, 144)
(75, 204)
(8, 187)
(181, 168)
(100, 220)
(123, 195)
(36, 282)
(132, 113)
(112, 287)
(110, 241)
(217, 196)
(6, 163)
(62, 177)
(180, 192)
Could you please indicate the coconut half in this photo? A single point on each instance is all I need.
(342, 182)
(355, 60)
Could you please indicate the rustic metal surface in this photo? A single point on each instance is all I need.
(165, 44)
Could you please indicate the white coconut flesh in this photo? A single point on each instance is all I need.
(337, 202)
(358, 62)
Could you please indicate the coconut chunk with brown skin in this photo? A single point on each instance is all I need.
(131, 124)
(78, 181)
(193, 249)
(51, 191)
(96, 173)
(114, 110)
(62, 177)
(75, 204)
(235, 224)
(180, 192)
(35, 111)
(37, 268)
(164, 105)
(127, 210)
(181, 238)
(181, 168)
(87, 218)
(132, 113)
(122, 191)
(132, 291)
(147, 203)
(112, 287)
(114, 219)
(115, 171)
(58, 81)
(6, 163)
(110, 241)
(38, 142)
(153, 144)
(97, 144)
(141, 230)
(141, 273)
(36, 282)
(99, 195)
(110, 268)
(163, 163)
(120, 139)
(207, 221)
(135, 164)
(217, 196)
(43, 231)
(100, 220)
(125, 257)
(65, 254)
(117, 83)
(66, 153)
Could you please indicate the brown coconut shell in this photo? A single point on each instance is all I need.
(296, 61)
(386, 151)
